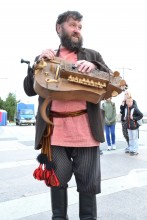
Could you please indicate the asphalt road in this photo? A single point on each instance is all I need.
(124, 179)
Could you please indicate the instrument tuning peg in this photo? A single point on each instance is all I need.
(116, 74)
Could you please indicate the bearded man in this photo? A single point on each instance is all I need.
(75, 138)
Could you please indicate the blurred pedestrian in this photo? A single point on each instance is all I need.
(132, 115)
(110, 121)
(123, 122)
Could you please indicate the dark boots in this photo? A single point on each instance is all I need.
(59, 203)
(87, 207)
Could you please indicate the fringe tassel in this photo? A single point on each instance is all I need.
(45, 171)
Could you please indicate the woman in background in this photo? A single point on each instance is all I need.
(132, 115)
(127, 95)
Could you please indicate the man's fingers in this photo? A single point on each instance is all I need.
(50, 54)
(85, 66)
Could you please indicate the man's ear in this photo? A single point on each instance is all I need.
(58, 29)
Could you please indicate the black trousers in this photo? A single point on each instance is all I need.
(125, 131)
(83, 162)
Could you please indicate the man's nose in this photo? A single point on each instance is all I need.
(77, 29)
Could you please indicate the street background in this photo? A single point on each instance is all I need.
(124, 179)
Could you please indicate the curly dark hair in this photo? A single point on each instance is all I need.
(68, 14)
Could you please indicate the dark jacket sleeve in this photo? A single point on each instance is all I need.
(122, 111)
(135, 103)
(96, 119)
(137, 114)
(29, 80)
(122, 108)
(28, 83)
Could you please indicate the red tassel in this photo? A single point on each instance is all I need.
(48, 176)
(52, 179)
(39, 173)
(45, 170)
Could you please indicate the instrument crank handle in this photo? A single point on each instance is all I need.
(25, 61)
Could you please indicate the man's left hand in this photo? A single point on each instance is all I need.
(85, 66)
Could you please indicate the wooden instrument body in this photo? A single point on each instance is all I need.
(60, 80)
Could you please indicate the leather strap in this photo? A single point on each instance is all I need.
(67, 114)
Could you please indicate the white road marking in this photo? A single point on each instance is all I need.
(27, 206)
(7, 165)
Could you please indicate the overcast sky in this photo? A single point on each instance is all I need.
(116, 29)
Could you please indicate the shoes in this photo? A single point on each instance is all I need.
(127, 150)
(133, 153)
(113, 147)
(109, 148)
(101, 152)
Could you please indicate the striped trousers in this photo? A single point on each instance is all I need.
(83, 163)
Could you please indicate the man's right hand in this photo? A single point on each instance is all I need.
(48, 53)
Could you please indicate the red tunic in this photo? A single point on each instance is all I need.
(71, 131)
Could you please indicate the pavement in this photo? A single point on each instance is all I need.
(124, 188)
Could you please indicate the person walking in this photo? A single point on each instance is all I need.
(123, 106)
(74, 150)
(110, 121)
(132, 115)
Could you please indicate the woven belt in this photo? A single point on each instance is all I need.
(67, 114)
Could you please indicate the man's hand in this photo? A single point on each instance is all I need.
(85, 66)
(49, 53)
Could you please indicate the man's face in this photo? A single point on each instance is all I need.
(70, 34)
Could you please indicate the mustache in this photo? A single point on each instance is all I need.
(75, 35)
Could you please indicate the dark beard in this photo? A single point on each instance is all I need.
(69, 44)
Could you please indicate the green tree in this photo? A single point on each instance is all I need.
(10, 106)
(1, 104)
